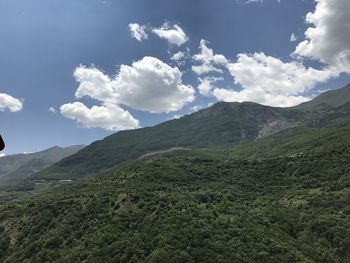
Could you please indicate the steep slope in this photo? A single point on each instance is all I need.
(197, 206)
(221, 125)
(332, 98)
(20, 166)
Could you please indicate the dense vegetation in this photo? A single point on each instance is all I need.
(223, 124)
(16, 168)
(198, 206)
(252, 184)
(333, 98)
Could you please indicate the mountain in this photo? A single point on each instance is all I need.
(332, 98)
(222, 125)
(237, 182)
(282, 198)
(21, 166)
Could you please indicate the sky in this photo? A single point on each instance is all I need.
(72, 72)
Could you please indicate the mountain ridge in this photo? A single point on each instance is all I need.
(283, 197)
(21, 166)
(333, 98)
(220, 125)
(197, 206)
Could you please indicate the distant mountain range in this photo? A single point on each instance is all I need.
(17, 167)
(222, 125)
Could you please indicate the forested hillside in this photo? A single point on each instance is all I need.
(222, 125)
(198, 206)
(18, 167)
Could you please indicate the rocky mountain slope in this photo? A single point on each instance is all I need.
(222, 125)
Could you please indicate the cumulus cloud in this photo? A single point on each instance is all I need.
(178, 56)
(2, 155)
(109, 117)
(173, 34)
(10, 103)
(181, 57)
(205, 68)
(148, 85)
(206, 85)
(328, 37)
(268, 80)
(208, 61)
(258, 96)
(138, 32)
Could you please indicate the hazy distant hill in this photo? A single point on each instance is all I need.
(222, 125)
(20, 166)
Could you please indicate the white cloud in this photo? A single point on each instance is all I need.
(209, 61)
(174, 117)
(148, 85)
(206, 85)
(258, 96)
(173, 34)
(95, 84)
(138, 32)
(196, 108)
(2, 155)
(328, 39)
(52, 109)
(293, 38)
(210, 104)
(181, 57)
(178, 56)
(109, 117)
(268, 80)
(205, 68)
(10, 103)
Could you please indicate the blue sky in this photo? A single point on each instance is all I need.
(246, 53)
